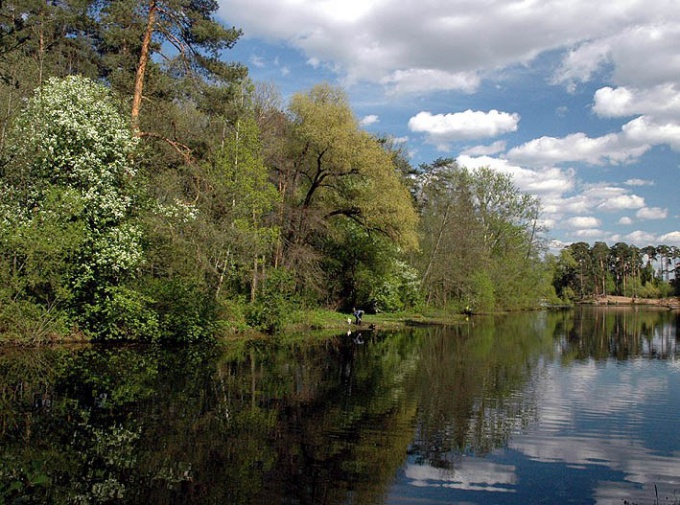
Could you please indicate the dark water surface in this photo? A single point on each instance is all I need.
(568, 407)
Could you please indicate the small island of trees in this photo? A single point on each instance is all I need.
(151, 192)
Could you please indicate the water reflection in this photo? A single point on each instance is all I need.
(619, 332)
(572, 407)
(596, 421)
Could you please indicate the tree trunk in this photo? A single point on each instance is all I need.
(435, 250)
(253, 286)
(141, 67)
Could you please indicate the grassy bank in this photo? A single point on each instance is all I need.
(338, 321)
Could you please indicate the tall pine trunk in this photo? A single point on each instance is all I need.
(141, 67)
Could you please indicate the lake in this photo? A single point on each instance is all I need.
(578, 406)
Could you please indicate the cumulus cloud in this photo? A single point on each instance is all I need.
(652, 213)
(445, 128)
(636, 138)
(672, 238)
(641, 54)
(586, 234)
(394, 41)
(638, 182)
(420, 80)
(578, 147)
(638, 237)
(625, 220)
(369, 120)
(622, 202)
(583, 222)
(550, 184)
(609, 198)
(661, 101)
(645, 131)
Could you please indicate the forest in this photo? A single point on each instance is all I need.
(150, 191)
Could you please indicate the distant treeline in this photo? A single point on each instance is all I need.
(584, 271)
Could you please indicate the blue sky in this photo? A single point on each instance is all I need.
(578, 101)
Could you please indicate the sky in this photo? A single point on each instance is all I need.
(578, 101)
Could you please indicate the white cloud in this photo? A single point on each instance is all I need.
(444, 128)
(586, 234)
(638, 182)
(583, 222)
(641, 54)
(625, 221)
(646, 130)
(369, 120)
(652, 213)
(578, 147)
(257, 61)
(600, 198)
(635, 139)
(622, 202)
(581, 63)
(672, 238)
(661, 101)
(399, 41)
(638, 237)
(495, 148)
(422, 80)
(548, 183)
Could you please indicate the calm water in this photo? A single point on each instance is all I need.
(570, 407)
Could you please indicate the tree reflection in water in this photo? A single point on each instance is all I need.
(267, 422)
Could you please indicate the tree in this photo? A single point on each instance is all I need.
(39, 40)
(163, 53)
(239, 205)
(335, 172)
(511, 236)
(566, 275)
(625, 265)
(72, 165)
(481, 238)
(450, 229)
(600, 257)
(186, 25)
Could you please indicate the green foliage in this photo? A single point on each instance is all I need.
(38, 247)
(186, 314)
(27, 322)
(274, 306)
(482, 297)
(336, 177)
(122, 313)
(622, 269)
(399, 289)
(480, 239)
(70, 187)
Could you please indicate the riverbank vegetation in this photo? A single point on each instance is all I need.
(149, 191)
(584, 272)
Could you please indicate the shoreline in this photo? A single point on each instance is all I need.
(672, 303)
(327, 324)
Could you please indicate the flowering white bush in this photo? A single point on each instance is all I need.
(71, 161)
(71, 134)
(184, 211)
